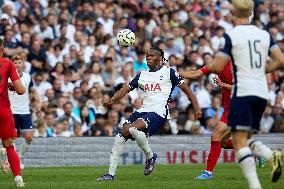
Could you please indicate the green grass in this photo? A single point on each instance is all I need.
(227, 176)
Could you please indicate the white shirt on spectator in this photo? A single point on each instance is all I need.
(47, 33)
(68, 87)
(215, 41)
(88, 52)
(70, 32)
(266, 124)
(66, 134)
(226, 25)
(103, 48)
(272, 97)
(120, 80)
(59, 112)
(107, 24)
(52, 59)
(173, 125)
(28, 67)
(43, 86)
(203, 98)
(97, 78)
(183, 101)
(190, 123)
(152, 24)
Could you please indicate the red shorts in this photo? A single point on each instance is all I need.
(225, 115)
(7, 126)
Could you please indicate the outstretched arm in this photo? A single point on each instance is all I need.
(118, 95)
(277, 60)
(219, 63)
(193, 75)
(191, 97)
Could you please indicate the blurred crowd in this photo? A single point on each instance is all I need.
(70, 49)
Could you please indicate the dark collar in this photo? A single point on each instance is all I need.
(156, 69)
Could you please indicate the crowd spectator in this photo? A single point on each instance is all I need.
(70, 49)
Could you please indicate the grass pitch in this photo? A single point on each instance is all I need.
(227, 176)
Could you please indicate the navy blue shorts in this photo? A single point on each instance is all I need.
(153, 121)
(23, 122)
(246, 112)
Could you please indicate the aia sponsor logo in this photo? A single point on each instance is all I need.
(152, 87)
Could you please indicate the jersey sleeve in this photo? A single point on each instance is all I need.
(31, 85)
(225, 47)
(272, 44)
(205, 70)
(13, 74)
(175, 78)
(134, 83)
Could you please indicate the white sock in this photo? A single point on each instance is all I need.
(24, 148)
(142, 141)
(116, 152)
(247, 163)
(259, 149)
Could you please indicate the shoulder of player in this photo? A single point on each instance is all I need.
(6, 61)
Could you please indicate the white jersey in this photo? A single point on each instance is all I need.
(20, 103)
(157, 88)
(248, 47)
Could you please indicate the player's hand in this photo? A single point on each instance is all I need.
(11, 87)
(218, 81)
(108, 102)
(197, 114)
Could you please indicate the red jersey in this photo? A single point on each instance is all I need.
(7, 70)
(225, 76)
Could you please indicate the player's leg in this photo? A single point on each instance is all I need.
(227, 141)
(118, 148)
(28, 133)
(7, 133)
(245, 158)
(215, 151)
(275, 158)
(136, 131)
(14, 161)
(240, 121)
(149, 123)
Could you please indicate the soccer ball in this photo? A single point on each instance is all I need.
(126, 38)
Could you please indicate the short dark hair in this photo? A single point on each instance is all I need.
(162, 53)
(106, 59)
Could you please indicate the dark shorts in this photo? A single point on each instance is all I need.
(7, 126)
(246, 112)
(153, 121)
(23, 122)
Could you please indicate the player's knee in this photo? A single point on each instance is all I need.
(125, 131)
(7, 142)
(28, 139)
(216, 136)
(224, 143)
